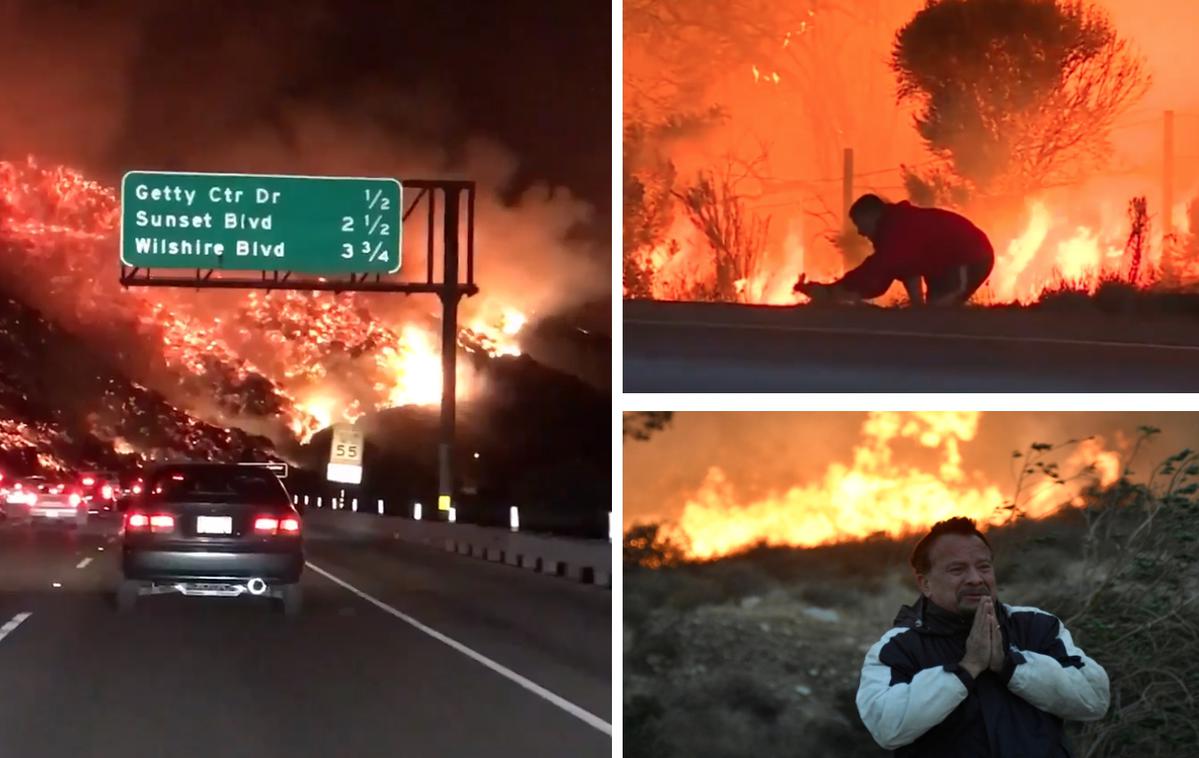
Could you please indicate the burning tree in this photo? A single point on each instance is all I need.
(737, 239)
(1016, 95)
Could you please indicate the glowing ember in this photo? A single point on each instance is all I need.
(875, 493)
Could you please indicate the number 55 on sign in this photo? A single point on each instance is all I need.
(345, 455)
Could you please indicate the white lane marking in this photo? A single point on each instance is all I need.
(583, 715)
(83, 563)
(13, 624)
(925, 335)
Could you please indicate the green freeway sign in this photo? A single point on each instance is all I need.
(307, 224)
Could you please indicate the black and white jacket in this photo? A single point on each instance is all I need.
(916, 700)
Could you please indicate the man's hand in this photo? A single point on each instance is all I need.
(978, 644)
(997, 652)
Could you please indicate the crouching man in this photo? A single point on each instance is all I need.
(939, 256)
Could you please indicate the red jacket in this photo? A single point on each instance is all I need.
(913, 241)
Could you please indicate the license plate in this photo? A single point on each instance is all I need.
(214, 524)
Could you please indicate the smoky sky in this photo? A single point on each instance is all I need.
(763, 453)
(111, 86)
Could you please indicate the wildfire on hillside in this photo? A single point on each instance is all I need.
(308, 359)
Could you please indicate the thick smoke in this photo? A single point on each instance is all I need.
(113, 87)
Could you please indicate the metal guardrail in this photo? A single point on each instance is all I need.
(584, 560)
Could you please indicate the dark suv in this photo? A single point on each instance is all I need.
(212, 530)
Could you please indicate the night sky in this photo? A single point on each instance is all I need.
(118, 85)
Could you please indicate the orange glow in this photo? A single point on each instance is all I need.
(875, 492)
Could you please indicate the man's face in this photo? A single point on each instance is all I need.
(866, 222)
(960, 573)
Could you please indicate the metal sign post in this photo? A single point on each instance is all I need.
(303, 246)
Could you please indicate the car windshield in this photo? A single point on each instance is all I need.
(227, 484)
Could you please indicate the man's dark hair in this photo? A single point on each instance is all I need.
(956, 525)
(867, 203)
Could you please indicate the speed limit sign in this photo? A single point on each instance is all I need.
(345, 455)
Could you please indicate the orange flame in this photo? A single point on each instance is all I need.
(873, 494)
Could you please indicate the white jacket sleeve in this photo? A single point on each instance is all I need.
(898, 703)
(1057, 676)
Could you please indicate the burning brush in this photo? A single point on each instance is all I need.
(305, 359)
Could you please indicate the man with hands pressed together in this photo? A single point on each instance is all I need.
(962, 674)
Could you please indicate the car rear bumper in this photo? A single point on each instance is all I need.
(216, 566)
(54, 514)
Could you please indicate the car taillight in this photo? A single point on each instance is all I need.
(158, 522)
(106, 492)
(31, 498)
(275, 525)
(75, 499)
(137, 489)
(88, 481)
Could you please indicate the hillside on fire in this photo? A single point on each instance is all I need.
(97, 375)
(749, 610)
(1065, 131)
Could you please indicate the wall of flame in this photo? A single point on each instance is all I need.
(730, 480)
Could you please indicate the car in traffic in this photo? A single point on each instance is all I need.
(212, 530)
(99, 492)
(129, 486)
(40, 501)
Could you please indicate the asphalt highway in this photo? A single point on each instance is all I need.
(703, 347)
(401, 651)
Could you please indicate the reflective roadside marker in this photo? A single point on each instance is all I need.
(453, 515)
(58, 584)
(305, 500)
(380, 507)
(354, 505)
(318, 502)
(416, 511)
(295, 499)
(443, 503)
(513, 518)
